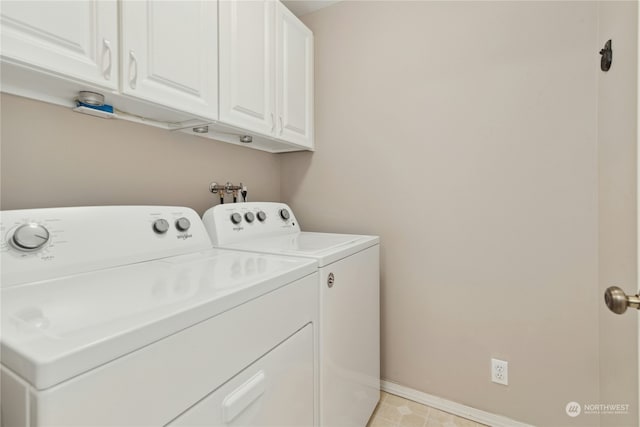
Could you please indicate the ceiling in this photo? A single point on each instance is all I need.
(302, 7)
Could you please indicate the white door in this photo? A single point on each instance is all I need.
(638, 190)
(246, 64)
(294, 71)
(619, 142)
(169, 54)
(77, 39)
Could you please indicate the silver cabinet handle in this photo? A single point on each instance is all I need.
(281, 126)
(618, 301)
(133, 69)
(106, 49)
(273, 123)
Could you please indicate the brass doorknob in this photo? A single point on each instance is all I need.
(618, 301)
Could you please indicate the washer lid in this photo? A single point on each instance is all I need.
(325, 247)
(56, 329)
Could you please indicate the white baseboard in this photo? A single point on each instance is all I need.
(451, 407)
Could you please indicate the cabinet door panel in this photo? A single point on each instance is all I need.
(170, 54)
(294, 70)
(77, 39)
(246, 64)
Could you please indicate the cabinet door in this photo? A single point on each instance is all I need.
(169, 54)
(246, 64)
(77, 39)
(294, 84)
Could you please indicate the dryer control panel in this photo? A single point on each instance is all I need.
(237, 222)
(40, 244)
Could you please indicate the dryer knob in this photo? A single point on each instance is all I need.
(262, 216)
(161, 226)
(249, 217)
(236, 218)
(183, 224)
(284, 214)
(30, 237)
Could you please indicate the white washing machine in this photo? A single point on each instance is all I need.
(349, 282)
(122, 316)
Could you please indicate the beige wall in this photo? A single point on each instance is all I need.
(617, 120)
(465, 135)
(52, 156)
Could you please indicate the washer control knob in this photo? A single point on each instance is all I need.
(161, 226)
(30, 237)
(284, 214)
(249, 217)
(262, 216)
(183, 224)
(236, 218)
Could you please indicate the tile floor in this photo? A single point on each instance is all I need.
(394, 411)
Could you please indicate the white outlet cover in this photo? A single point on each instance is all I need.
(500, 371)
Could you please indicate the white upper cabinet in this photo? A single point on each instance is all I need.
(74, 39)
(294, 84)
(247, 64)
(242, 67)
(169, 54)
(266, 70)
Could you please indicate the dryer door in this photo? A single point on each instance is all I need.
(276, 390)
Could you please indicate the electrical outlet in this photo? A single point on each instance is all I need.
(500, 371)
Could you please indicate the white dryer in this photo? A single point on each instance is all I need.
(115, 316)
(349, 282)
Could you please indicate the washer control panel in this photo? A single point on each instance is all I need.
(236, 222)
(40, 244)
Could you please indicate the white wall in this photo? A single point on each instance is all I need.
(465, 135)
